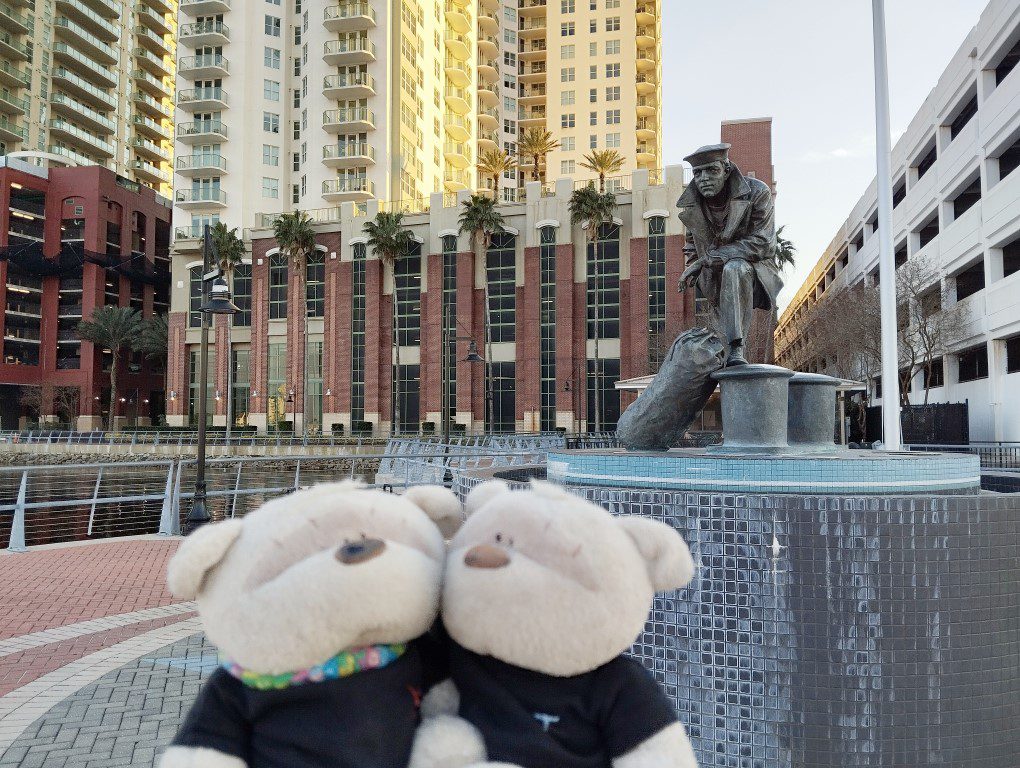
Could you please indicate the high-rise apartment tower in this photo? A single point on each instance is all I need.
(90, 82)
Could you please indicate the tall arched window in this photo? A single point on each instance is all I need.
(656, 288)
(358, 338)
(450, 321)
(277, 287)
(604, 321)
(501, 269)
(547, 328)
(315, 284)
(242, 295)
(407, 277)
(195, 297)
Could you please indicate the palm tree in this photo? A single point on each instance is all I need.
(494, 164)
(295, 237)
(536, 143)
(390, 241)
(603, 162)
(481, 221)
(591, 208)
(786, 252)
(151, 340)
(112, 328)
(229, 250)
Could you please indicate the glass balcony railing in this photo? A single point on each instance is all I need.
(200, 195)
(59, 124)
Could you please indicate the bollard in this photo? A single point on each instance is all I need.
(754, 408)
(169, 522)
(812, 412)
(17, 542)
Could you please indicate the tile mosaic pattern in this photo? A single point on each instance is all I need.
(824, 631)
(840, 473)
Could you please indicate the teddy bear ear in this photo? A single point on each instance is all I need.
(441, 506)
(482, 494)
(198, 554)
(666, 555)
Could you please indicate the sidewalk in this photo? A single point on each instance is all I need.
(97, 661)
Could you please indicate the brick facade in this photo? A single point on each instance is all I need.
(752, 147)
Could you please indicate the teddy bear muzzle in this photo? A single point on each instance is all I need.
(355, 552)
(486, 556)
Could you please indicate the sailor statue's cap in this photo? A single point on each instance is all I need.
(709, 154)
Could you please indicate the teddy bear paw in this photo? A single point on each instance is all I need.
(198, 757)
(446, 741)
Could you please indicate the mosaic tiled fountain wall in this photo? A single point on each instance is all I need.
(855, 630)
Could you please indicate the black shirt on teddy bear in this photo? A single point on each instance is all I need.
(366, 720)
(536, 720)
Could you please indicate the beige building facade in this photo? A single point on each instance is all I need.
(90, 82)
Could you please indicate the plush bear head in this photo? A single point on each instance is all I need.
(545, 580)
(317, 572)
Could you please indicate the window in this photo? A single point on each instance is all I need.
(567, 75)
(593, 50)
(612, 117)
(407, 275)
(613, 140)
(358, 301)
(276, 389)
(612, 47)
(936, 377)
(568, 143)
(603, 270)
(656, 288)
(270, 155)
(272, 26)
(593, 72)
(593, 141)
(970, 280)
(271, 57)
(567, 98)
(612, 70)
(295, 194)
(567, 120)
(501, 268)
(277, 286)
(926, 161)
(271, 90)
(315, 284)
(613, 24)
(547, 328)
(567, 167)
(966, 198)
(567, 29)
(270, 187)
(270, 122)
(1013, 355)
(566, 51)
(449, 305)
(973, 364)
(593, 118)
(966, 113)
(928, 231)
(613, 93)
(241, 297)
(195, 297)
(593, 26)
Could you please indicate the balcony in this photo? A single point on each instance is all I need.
(61, 129)
(457, 153)
(488, 118)
(348, 17)
(488, 21)
(646, 60)
(458, 18)
(646, 152)
(488, 69)
(156, 108)
(84, 41)
(532, 118)
(108, 9)
(458, 45)
(89, 19)
(348, 51)
(150, 149)
(153, 85)
(154, 19)
(528, 8)
(83, 89)
(149, 126)
(82, 113)
(647, 83)
(11, 103)
(163, 5)
(20, 23)
(488, 95)
(532, 95)
(188, 239)
(205, 99)
(488, 141)
(77, 157)
(488, 45)
(348, 119)
(157, 65)
(206, 65)
(154, 41)
(646, 129)
(203, 164)
(77, 62)
(458, 72)
(346, 190)
(204, 7)
(647, 106)
(348, 85)
(201, 131)
(457, 126)
(533, 28)
(458, 100)
(533, 72)
(150, 172)
(646, 13)
(12, 48)
(11, 130)
(348, 154)
(202, 33)
(456, 181)
(201, 197)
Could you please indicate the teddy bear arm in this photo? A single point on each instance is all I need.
(198, 757)
(446, 741)
(669, 748)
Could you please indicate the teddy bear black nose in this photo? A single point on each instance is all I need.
(486, 556)
(359, 551)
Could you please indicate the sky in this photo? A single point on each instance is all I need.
(807, 64)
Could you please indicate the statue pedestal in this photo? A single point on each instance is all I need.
(812, 412)
(755, 404)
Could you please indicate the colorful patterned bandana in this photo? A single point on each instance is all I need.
(344, 664)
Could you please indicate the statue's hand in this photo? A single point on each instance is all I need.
(690, 275)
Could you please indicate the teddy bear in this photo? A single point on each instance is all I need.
(319, 603)
(543, 593)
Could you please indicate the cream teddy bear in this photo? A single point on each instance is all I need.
(543, 594)
(317, 602)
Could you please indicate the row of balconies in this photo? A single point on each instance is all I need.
(94, 22)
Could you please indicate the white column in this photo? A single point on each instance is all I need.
(887, 266)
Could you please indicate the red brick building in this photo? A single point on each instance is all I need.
(71, 240)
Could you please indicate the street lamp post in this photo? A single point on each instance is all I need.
(450, 339)
(215, 301)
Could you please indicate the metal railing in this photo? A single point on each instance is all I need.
(993, 455)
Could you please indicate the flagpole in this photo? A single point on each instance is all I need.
(887, 265)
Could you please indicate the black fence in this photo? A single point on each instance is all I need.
(933, 424)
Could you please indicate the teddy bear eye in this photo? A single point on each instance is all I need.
(499, 537)
(363, 536)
